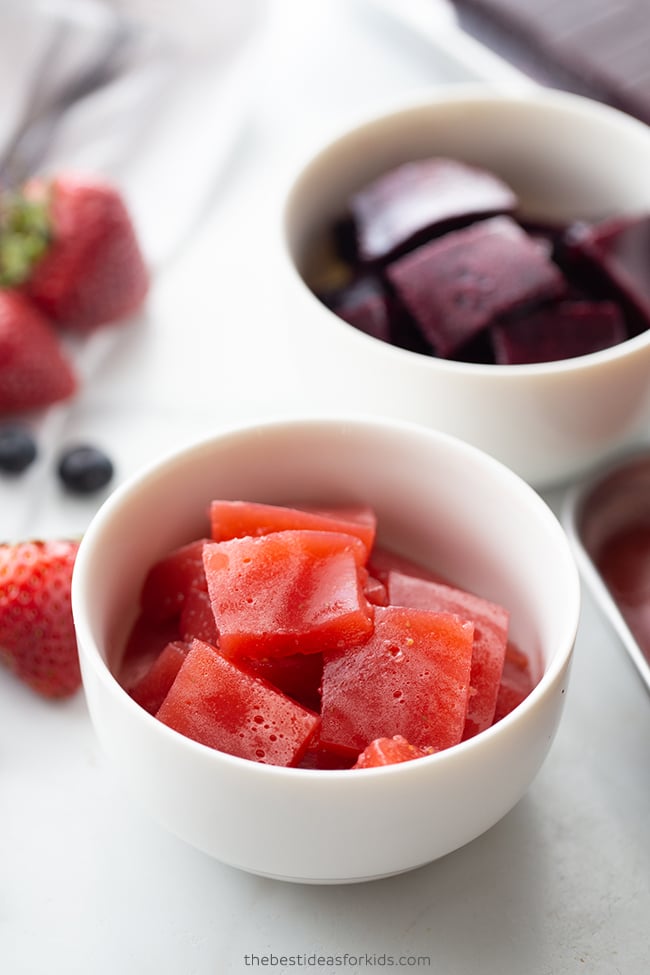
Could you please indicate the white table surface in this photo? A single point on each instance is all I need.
(88, 884)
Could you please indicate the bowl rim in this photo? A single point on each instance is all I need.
(574, 504)
(497, 94)
(91, 655)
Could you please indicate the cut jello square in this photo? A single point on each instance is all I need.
(421, 198)
(197, 619)
(613, 259)
(237, 519)
(459, 284)
(225, 706)
(410, 678)
(169, 580)
(363, 303)
(298, 676)
(152, 688)
(490, 637)
(370, 316)
(516, 682)
(287, 592)
(560, 330)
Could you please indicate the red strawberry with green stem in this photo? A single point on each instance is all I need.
(37, 637)
(69, 244)
(34, 370)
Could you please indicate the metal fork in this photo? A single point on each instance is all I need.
(45, 106)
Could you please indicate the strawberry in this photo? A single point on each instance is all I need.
(37, 637)
(34, 371)
(70, 246)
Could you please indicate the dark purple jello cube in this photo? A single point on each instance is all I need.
(370, 316)
(419, 199)
(458, 284)
(560, 330)
(551, 235)
(612, 259)
(362, 303)
(404, 331)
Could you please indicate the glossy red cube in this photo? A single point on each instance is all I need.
(236, 519)
(220, 704)
(490, 638)
(152, 688)
(410, 678)
(169, 580)
(287, 592)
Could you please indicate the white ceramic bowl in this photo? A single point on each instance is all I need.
(567, 157)
(438, 500)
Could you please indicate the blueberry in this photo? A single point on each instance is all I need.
(85, 469)
(17, 449)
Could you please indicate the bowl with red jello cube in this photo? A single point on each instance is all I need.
(297, 633)
(477, 261)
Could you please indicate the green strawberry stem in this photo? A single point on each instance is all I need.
(25, 234)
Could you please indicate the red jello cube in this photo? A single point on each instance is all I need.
(197, 619)
(169, 580)
(410, 678)
(317, 756)
(383, 561)
(375, 591)
(218, 703)
(236, 519)
(490, 638)
(299, 675)
(390, 751)
(287, 592)
(152, 688)
(146, 641)
(516, 682)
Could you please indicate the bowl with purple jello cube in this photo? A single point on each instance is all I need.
(479, 262)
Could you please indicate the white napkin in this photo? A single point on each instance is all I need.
(164, 125)
(163, 129)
